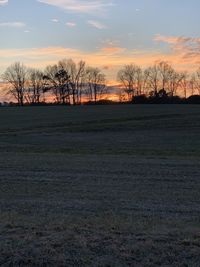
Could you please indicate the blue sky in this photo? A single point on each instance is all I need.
(105, 33)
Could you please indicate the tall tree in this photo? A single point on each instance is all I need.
(152, 78)
(165, 74)
(130, 77)
(35, 88)
(76, 72)
(96, 82)
(197, 75)
(57, 80)
(184, 84)
(175, 82)
(16, 76)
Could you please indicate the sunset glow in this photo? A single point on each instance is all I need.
(101, 32)
(105, 34)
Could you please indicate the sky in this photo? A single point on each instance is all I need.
(105, 33)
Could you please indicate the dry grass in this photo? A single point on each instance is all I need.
(100, 186)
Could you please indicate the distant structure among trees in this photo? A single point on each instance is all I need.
(73, 83)
(160, 76)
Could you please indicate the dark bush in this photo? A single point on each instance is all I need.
(101, 102)
(194, 99)
(140, 99)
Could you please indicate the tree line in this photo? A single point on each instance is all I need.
(159, 79)
(67, 82)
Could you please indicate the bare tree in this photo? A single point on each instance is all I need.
(197, 84)
(96, 83)
(57, 80)
(77, 76)
(139, 81)
(50, 80)
(16, 76)
(175, 82)
(165, 72)
(163, 77)
(68, 81)
(152, 78)
(193, 84)
(131, 78)
(184, 84)
(35, 88)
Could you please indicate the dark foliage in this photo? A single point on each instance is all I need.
(194, 99)
(101, 102)
(140, 99)
(161, 97)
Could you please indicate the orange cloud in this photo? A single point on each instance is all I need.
(174, 40)
(112, 50)
(109, 58)
(186, 49)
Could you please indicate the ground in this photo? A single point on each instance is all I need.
(100, 186)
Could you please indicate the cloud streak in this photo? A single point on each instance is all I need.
(16, 24)
(71, 24)
(114, 57)
(55, 20)
(79, 6)
(184, 54)
(96, 24)
(3, 2)
(112, 50)
(187, 48)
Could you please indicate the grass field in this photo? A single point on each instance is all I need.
(100, 186)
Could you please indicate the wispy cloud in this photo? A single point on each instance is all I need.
(3, 2)
(115, 56)
(188, 48)
(109, 58)
(113, 50)
(55, 20)
(184, 54)
(71, 24)
(174, 39)
(96, 24)
(111, 47)
(79, 6)
(15, 24)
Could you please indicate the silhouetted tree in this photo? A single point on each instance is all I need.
(175, 82)
(131, 78)
(184, 84)
(197, 83)
(16, 76)
(58, 80)
(34, 90)
(77, 76)
(192, 84)
(68, 82)
(96, 83)
(166, 73)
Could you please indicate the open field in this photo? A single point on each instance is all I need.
(100, 186)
